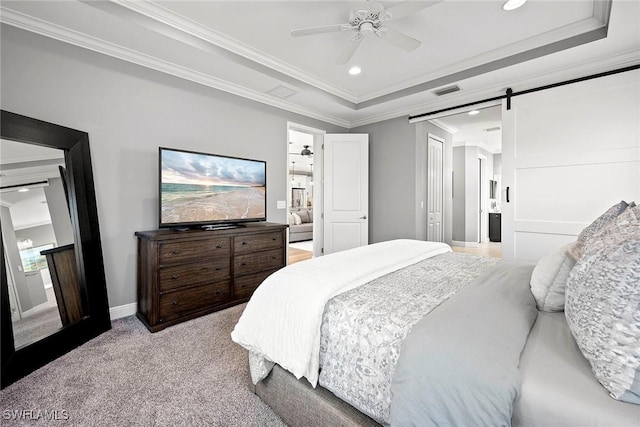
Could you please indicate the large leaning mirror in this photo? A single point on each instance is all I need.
(52, 275)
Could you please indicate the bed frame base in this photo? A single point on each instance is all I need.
(299, 404)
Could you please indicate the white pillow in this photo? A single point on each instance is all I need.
(549, 278)
(296, 218)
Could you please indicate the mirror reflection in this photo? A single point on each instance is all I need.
(38, 241)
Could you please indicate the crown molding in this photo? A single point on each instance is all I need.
(159, 13)
(66, 35)
(54, 31)
(585, 68)
(451, 129)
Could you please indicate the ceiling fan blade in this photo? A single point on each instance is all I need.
(408, 7)
(348, 51)
(317, 30)
(400, 40)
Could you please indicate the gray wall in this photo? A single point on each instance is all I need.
(497, 164)
(128, 112)
(40, 235)
(459, 214)
(397, 184)
(466, 192)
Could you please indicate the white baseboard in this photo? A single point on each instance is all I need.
(123, 310)
(464, 244)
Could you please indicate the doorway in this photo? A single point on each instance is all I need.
(304, 196)
(477, 168)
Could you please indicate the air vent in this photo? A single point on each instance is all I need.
(282, 92)
(446, 90)
(493, 129)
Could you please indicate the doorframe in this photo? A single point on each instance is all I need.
(14, 302)
(318, 182)
(483, 213)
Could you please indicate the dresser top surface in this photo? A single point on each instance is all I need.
(246, 228)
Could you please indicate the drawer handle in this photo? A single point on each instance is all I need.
(174, 303)
(218, 268)
(176, 252)
(218, 246)
(273, 257)
(218, 292)
(273, 239)
(243, 263)
(174, 277)
(244, 243)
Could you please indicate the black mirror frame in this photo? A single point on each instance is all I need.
(16, 364)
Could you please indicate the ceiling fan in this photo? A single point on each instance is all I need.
(371, 19)
(306, 152)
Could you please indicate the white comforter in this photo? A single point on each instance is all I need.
(281, 322)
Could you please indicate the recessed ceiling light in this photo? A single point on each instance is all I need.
(473, 112)
(23, 190)
(513, 4)
(355, 70)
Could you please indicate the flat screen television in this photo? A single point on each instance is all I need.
(200, 189)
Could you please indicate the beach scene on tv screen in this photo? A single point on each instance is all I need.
(201, 188)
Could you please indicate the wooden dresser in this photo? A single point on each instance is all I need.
(185, 274)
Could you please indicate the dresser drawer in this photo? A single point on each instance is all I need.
(195, 250)
(244, 286)
(258, 242)
(195, 273)
(180, 302)
(259, 261)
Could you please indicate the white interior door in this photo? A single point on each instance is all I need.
(345, 191)
(434, 190)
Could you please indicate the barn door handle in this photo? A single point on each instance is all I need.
(507, 194)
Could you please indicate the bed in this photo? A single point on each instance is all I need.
(408, 333)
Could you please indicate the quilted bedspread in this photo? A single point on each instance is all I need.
(363, 329)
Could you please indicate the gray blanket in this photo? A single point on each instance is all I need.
(459, 365)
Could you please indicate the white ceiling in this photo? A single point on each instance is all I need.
(245, 47)
(297, 142)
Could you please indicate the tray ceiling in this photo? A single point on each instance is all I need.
(245, 47)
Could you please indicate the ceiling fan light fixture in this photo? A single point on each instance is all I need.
(305, 151)
(513, 4)
(355, 70)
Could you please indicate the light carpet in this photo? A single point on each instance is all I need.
(190, 374)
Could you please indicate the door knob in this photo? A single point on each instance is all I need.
(363, 217)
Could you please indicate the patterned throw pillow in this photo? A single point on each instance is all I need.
(549, 279)
(589, 231)
(602, 305)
